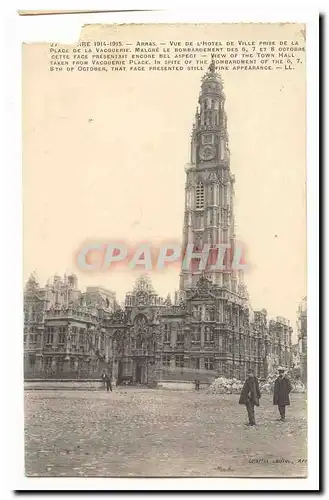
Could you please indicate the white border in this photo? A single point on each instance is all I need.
(43, 28)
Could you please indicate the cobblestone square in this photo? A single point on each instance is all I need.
(144, 432)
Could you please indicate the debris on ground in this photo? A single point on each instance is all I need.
(224, 385)
(268, 384)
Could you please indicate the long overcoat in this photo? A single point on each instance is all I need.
(282, 388)
(250, 392)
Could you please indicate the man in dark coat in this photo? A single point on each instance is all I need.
(107, 381)
(108, 384)
(104, 378)
(282, 389)
(250, 395)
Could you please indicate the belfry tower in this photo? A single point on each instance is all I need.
(209, 189)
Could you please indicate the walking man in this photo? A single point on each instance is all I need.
(282, 389)
(107, 381)
(250, 395)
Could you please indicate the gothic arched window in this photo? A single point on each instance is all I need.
(141, 331)
(199, 195)
(196, 334)
(208, 334)
(167, 333)
(180, 334)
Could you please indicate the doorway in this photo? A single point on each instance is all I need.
(120, 371)
(138, 374)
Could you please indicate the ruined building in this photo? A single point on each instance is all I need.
(302, 338)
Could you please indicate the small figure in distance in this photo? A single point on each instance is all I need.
(107, 381)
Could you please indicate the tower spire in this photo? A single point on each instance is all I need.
(209, 205)
(212, 66)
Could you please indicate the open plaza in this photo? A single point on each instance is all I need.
(160, 433)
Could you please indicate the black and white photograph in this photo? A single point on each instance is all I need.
(165, 276)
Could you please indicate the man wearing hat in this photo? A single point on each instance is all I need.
(250, 395)
(282, 389)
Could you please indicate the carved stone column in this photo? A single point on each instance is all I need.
(202, 327)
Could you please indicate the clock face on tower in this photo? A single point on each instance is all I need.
(207, 152)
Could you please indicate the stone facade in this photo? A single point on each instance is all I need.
(210, 330)
(208, 334)
(61, 324)
(295, 358)
(302, 338)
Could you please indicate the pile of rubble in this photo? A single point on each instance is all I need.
(268, 384)
(224, 385)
